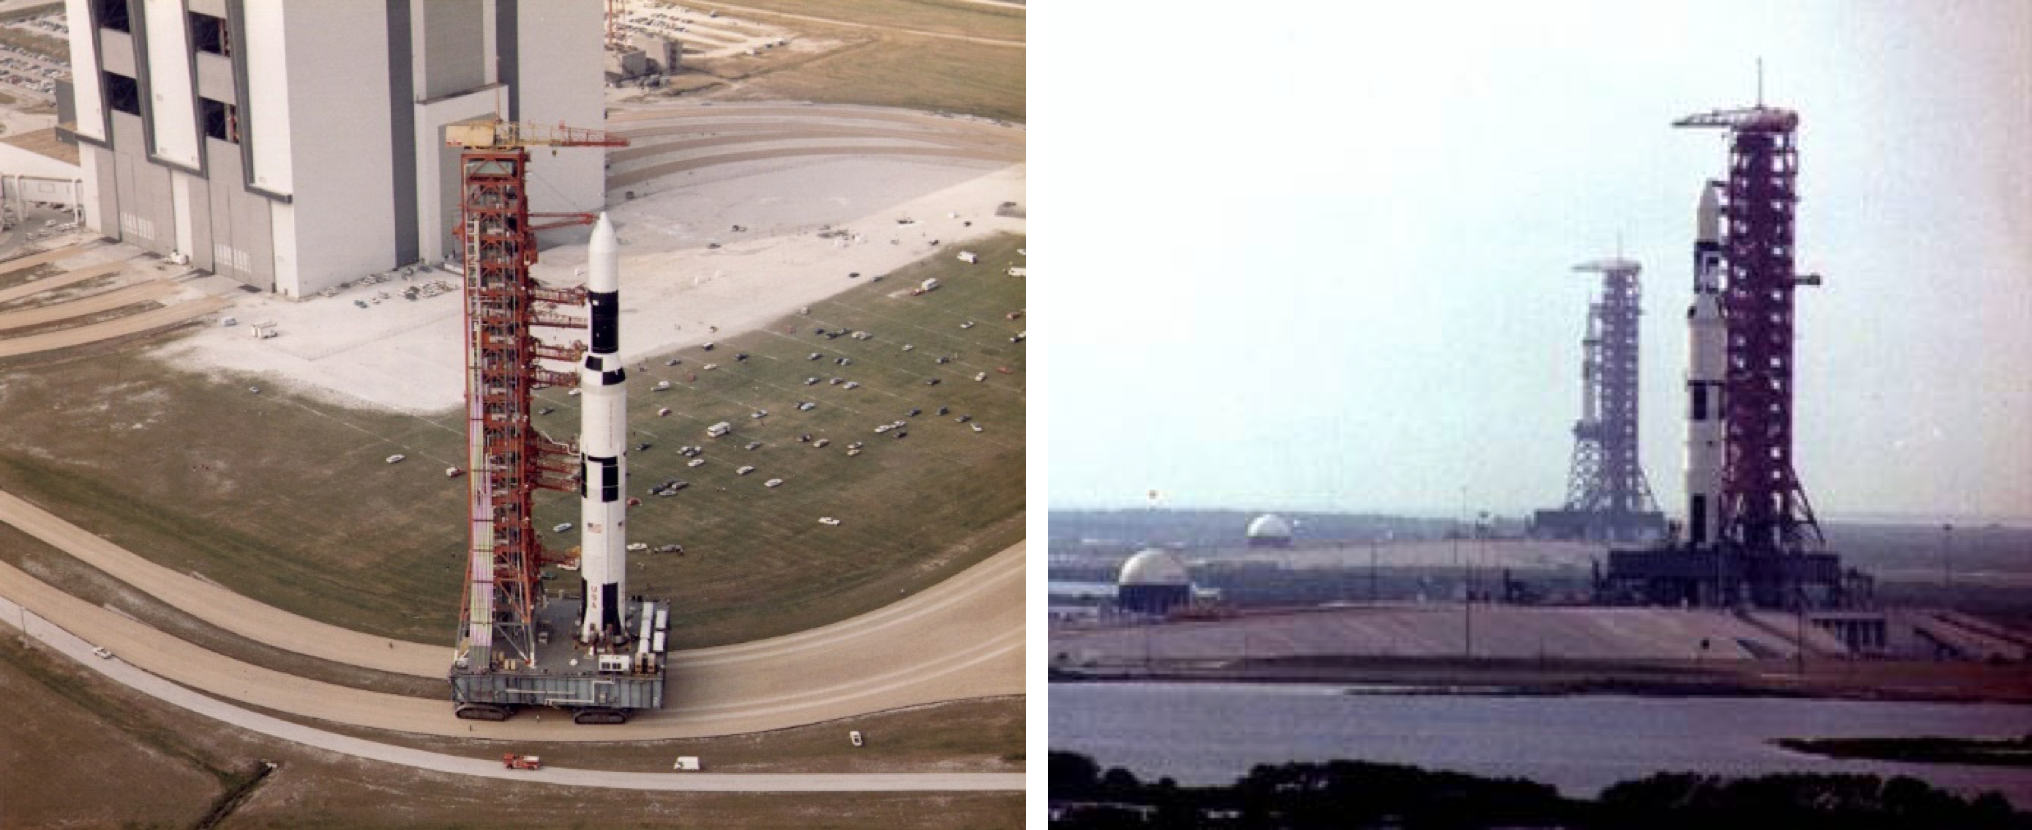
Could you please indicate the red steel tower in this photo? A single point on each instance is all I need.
(1763, 508)
(508, 457)
(1612, 486)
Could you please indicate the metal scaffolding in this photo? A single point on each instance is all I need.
(508, 458)
(1763, 507)
(1607, 496)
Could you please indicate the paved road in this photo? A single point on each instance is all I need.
(644, 174)
(120, 671)
(721, 136)
(802, 113)
(848, 23)
(962, 638)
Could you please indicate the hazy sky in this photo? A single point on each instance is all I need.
(1310, 255)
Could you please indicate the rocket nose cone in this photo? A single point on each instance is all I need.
(603, 258)
(1707, 225)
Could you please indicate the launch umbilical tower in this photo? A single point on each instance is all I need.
(1607, 495)
(506, 657)
(508, 457)
(1763, 509)
(1750, 534)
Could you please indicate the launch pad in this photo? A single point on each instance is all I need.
(1726, 578)
(1750, 537)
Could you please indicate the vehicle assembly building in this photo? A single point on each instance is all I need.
(602, 657)
(296, 146)
(1607, 496)
(1750, 534)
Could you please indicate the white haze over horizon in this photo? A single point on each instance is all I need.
(1316, 256)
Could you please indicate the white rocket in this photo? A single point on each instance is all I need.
(1706, 375)
(603, 470)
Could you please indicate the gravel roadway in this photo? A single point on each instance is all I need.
(106, 301)
(117, 327)
(963, 638)
(120, 671)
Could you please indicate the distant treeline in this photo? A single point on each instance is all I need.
(1356, 794)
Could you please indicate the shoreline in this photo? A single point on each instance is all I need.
(1860, 680)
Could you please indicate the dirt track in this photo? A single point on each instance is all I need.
(121, 327)
(60, 280)
(138, 293)
(963, 638)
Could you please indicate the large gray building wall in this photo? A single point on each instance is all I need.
(145, 215)
(334, 198)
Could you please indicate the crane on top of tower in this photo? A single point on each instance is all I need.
(494, 133)
(1754, 119)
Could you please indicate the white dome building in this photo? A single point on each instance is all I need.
(1270, 531)
(1153, 582)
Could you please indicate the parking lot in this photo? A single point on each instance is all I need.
(33, 57)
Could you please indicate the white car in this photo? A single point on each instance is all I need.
(854, 737)
(828, 521)
(694, 462)
(745, 469)
(774, 482)
(977, 427)
(561, 527)
(102, 653)
(396, 458)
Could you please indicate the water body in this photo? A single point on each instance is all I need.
(1213, 733)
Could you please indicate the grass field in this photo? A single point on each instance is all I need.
(62, 734)
(79, 751)
(882, 63)
(981, 735)
(287, 499)
(947, 17)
